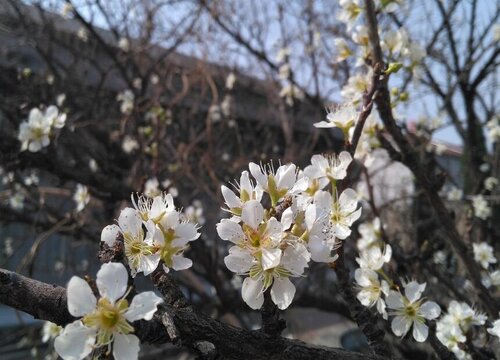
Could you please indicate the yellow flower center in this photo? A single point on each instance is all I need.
(108, 319)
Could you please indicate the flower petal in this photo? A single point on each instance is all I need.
(282, 292)
(257, 173)
(400, 325)
(179, 262)
(130, 221)
(430, 310)
(109, 233)
(348, 200)
(230, 230)
(394, 300)
(420, 331)
(126, 347)
(81, 299)
(75, 342)
(270, 258)
(112, 281)
(232, 201)
(252, 213)
(238, 261)
(252, 293)
(413, 290)
(143, 306)
(148, 264)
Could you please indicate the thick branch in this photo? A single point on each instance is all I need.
(192, 329)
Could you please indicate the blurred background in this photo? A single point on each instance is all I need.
(180, 95)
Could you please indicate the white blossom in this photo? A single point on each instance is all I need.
(493, 129)
(152, 187)
(490, 183)
(481, 208)
(374, 257)
(343, 117)
(342, 49)
(332, 167)
(106, 321)
(483, 254)
(124, 44)
(341, 213)
(129, 144)
(277, 183)
(126, 98)
(81, 197)
(410, 310)
(454, 194)
(371, 289)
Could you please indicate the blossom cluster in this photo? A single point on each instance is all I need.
(301, 222)
(408, 309)
(35, 132)
(485, 257)
(153, 231)
(452, 328)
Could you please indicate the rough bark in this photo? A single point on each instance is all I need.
(174, 322)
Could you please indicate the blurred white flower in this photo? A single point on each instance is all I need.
(126, 98)
(124, 44)
(483, 254)
(481, 208)
(454, 194)
(129, 144)
(490, 183)
(50, 331)
(81, 197)
(83, 34)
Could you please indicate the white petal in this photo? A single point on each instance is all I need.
(341, 231)
(394, 300)
(270, 258)
(252, 213)
(81, 300)
(126, 347)
(348, 200)
(75, 342)
(143, 306)
(179, 262)
(282, 292)
(295, 259)
(351, 218)
(286, 176)
(430, 310)
(413, 290)
(323, 201)
(257, 173)
(112, 281)
(252, 293)
(420, 331)
(109, 233)
(157, 207)
(400, 325)
(245, 184)
(239, 261)
(148, 264)
(130, 221)
(287, 218)
(186, 232)
(232, 201)
(230, 230)
(310, 216)
(324, 124)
